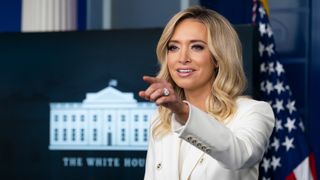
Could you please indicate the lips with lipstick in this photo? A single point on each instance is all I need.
(185, 72)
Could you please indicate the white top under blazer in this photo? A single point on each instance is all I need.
(215, 151)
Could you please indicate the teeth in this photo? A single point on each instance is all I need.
(184, 70)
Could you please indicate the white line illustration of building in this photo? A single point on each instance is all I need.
(106, 120)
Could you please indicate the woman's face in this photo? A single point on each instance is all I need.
(189, 59)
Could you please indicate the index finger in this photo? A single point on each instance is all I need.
(151, 80)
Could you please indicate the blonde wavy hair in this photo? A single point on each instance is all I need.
(229, 81)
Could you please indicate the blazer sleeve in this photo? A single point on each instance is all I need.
(235, 146)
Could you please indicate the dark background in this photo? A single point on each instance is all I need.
(39, 68)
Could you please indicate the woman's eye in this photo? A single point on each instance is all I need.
(197, 47)
(172, 48)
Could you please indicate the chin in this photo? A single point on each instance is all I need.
(185, 85)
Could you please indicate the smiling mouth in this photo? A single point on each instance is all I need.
(184, 70)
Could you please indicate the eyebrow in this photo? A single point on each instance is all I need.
(192, 41)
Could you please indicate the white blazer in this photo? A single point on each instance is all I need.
(229, 151)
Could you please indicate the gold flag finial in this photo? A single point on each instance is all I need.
(266, 6)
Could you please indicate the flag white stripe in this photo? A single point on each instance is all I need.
(303, 172)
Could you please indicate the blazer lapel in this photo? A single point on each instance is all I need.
(193, 157)
(170, 148)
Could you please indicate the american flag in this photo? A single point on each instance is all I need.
(288, 155)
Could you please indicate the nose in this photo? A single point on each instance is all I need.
(184, 56)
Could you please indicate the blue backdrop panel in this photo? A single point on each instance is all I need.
(236, 11)
(10, 16)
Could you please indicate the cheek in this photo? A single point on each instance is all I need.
(170, 63)
(209, 66)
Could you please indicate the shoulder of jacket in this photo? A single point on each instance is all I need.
(245, 104)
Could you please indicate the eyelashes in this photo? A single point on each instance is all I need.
(172, 48)
(196, 47)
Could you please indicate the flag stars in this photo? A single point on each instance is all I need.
(287, 87)
(269, 49)
(269, 87)
(263, 67)
(269, 31)
(262, 29)
(279, 68)
(275, 162)
(277, 93)
(290, 106)
(271, 67)
(262, 12)
(278, 105)
(288, 143)
(301, 126)
(278, 125)
(290, 124)
(279, 87)
(265, 164)
(275, 143)
(262, 86)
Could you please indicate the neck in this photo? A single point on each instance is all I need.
(198, 97)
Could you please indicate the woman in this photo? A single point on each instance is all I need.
(204, 128)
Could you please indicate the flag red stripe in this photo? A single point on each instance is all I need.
(291, 176)
(313, 166)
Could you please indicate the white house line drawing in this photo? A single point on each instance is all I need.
(106, 120)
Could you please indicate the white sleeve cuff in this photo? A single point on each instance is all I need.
(176, 125)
